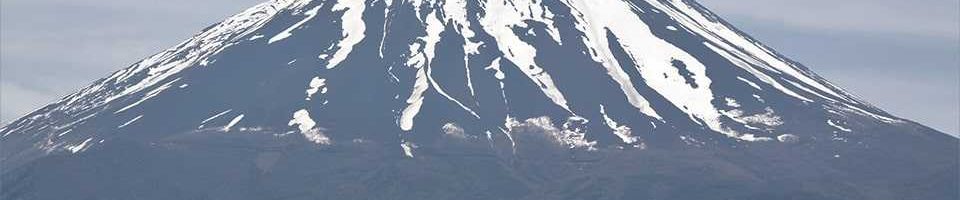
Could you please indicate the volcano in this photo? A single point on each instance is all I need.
(471, 99)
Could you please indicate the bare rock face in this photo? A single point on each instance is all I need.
(456, 99)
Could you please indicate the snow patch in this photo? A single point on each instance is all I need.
(731, 102)
(571, 134)
(353, 30)
(732, 41)
(187, 54)
(202, 123)
(495, 66)
(317, 136)
(148, 96)
(286, 33)
(456, 11)
(307, 127)
(768, 118)
(754, 138)
(859, 111)
(497, 73)
(455, 131)
(130, 121)
(317, 84)
(302, 120)
(233, 123)
(408, 148)
(596, 40)
(838, 126)
(422, 56)
(420, 60)
(751, 83)
(500, 19)
(622, 131)
(757, 73)
(77, 148)
(64, 133)
(692, 141)
(654, 58)
(788, 138)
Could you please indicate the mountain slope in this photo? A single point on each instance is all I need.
(542, 97)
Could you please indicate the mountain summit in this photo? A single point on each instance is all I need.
(471, 99)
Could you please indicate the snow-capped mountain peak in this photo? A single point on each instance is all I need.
(471, 99)
(652, 67)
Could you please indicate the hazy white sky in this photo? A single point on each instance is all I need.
(903, 56)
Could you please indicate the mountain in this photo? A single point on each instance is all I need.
(471, 99)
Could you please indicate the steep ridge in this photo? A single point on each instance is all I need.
(593, 76)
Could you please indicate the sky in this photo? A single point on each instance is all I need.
(902, 56)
